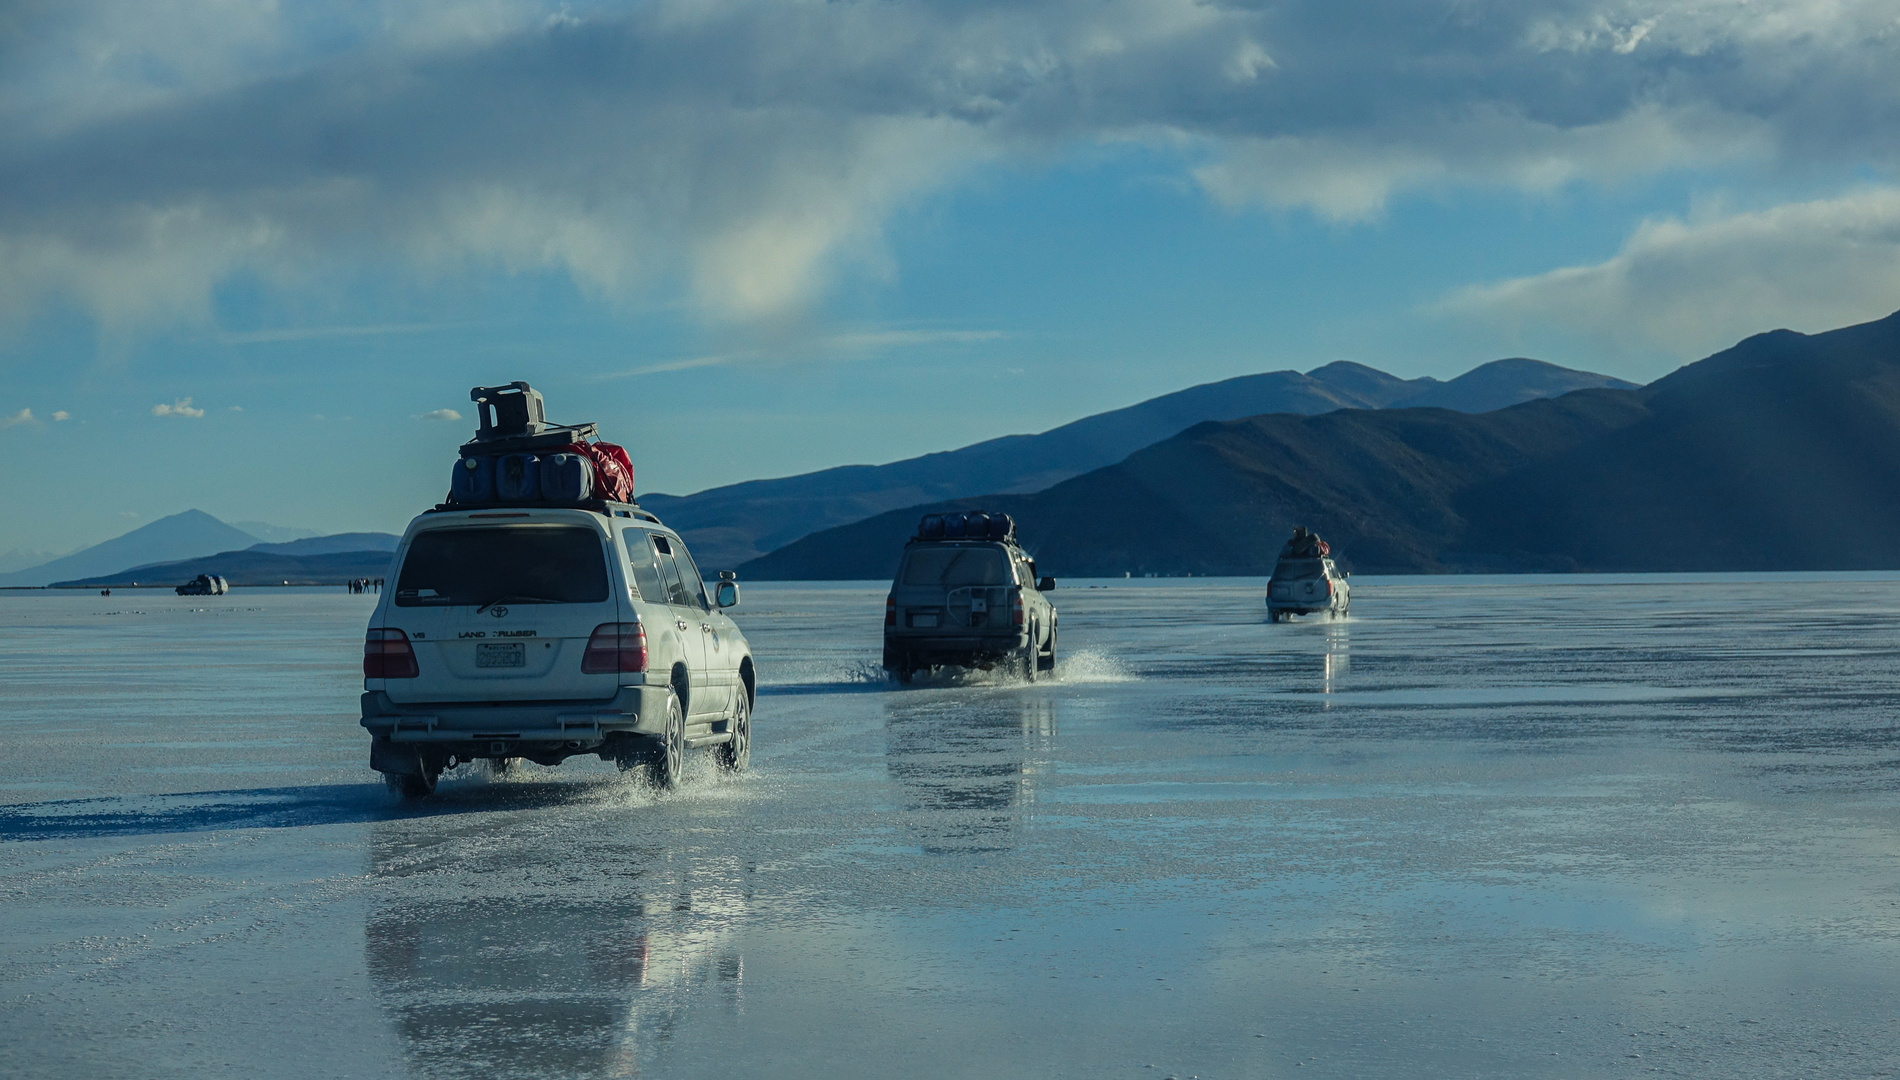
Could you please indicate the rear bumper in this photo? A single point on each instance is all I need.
(919, 650)
(1306, 607)
(485, 730)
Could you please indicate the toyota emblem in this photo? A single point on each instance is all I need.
(498, 612)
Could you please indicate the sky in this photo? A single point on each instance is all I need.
(253, 255)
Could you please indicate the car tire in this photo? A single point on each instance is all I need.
(904, 673)
(669, 755)
(1047, 662)
(735, 755)
(415, 785)
(1031, 660)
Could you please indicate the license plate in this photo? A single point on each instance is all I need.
(923, 620)
(513, 654)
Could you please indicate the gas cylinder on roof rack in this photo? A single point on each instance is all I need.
(517, 457)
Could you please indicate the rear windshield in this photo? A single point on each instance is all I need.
(517, 564)
(951, 567)
(1296, 569)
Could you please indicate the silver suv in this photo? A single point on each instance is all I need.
(967, 595)
(546, 632)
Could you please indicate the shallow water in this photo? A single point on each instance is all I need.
(1567, 827)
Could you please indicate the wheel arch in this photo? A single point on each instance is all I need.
(683, 686)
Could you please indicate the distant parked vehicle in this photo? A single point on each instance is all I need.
(1305, 581)
(204, 585)
(967, 595)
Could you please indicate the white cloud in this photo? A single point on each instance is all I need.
(1351, 178)
(440, 414)
(312, 333)
(1699, 285)
(749, 152)
(851, 345)
(234, 408)
(181, 407)
(24, 416)
(62, 414)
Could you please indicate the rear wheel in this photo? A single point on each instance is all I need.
(736, 755)
(1031, 659)
(669, 757)
(1047, 661)
(415, 785)
(904, 673)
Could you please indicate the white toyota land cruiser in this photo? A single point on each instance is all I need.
(545, 631)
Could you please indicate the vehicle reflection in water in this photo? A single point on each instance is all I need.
(1338, 658)
(516, 963)
(968, 767)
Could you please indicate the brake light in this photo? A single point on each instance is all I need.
(615, 647)
(1016, 608)
(890, 611)
(387, 655)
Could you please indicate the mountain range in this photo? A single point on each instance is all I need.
(729, 525)
(180, 536)
(1780, 453)
(189, 535)
(251, 567)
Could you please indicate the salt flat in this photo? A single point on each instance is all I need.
(1510, 827)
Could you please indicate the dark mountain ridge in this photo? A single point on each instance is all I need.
(731, 524)
(1780, 453)
(249, 567)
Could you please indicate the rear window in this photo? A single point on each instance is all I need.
(952, 567)
(519, 564)
(1299, 569)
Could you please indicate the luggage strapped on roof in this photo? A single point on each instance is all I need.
(517, 458)
(966, 525)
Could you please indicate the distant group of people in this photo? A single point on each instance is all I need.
(1305, 545)
(363, 585)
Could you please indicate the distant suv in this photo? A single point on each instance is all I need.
(1307, 585)
(546, 632)
(966, 595)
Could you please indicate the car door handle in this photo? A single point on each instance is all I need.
(681, 623)
(706, 626)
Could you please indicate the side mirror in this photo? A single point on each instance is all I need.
(727, 594)
(1045, 584)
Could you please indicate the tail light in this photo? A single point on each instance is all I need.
(1016, 609)
(890, 611)
(614, 648)
(387, 655)
(1329, 585)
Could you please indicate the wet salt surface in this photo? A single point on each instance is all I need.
(1486, 827)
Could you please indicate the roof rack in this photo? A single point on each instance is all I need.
(603, 507)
